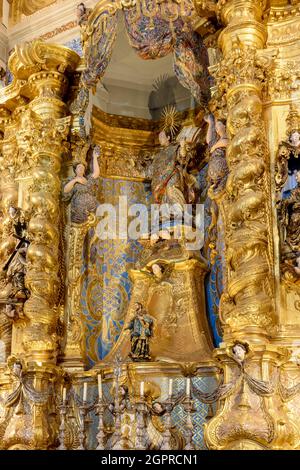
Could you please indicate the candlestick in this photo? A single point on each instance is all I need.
(170, 387)
(100, 387)
(142, 389)
(84, 391)
(188, 387)
(64, 395)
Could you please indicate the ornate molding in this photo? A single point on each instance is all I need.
(282, 13)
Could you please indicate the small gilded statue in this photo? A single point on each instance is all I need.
(15, 240)
(83, 14)
(217, 142)
(82, 190)
(141, 331)
(292, 217)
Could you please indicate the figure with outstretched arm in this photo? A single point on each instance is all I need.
(217, 142)
(82, 190)
(211, 133)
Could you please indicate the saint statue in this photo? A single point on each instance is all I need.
(217, 141)
(141, 329)
(15, 242)
(173, 181)
(16, 273)
(291, 218)
(82, 190)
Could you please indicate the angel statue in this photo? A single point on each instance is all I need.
(82, 190)
(289, 217)
(217, 141)
(292, 217)
(83, 14)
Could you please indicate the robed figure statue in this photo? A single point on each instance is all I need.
(141, 330)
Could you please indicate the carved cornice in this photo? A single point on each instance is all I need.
(285, 32)
(281, 13)
(32, 58)
(126, 143)
(26, 7)
(37, 55)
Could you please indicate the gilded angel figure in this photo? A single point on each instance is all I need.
(217, 142)
(82, 190)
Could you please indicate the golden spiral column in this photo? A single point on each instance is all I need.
(247, 308)
(43, 134)
(41, 76)
(249, 414)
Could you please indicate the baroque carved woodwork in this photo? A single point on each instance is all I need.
(118, 333)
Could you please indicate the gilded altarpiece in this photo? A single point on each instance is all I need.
(144, 344)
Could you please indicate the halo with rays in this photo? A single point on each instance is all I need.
(160, 82)
(170, 120)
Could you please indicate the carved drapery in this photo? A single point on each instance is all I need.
(154, 29)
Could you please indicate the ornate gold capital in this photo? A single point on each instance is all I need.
(239, 11)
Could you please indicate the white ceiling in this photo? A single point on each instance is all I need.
(128, 83)
(126, 67)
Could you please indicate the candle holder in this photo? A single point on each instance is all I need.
(117, 411)
(188, 406)
(141, 412)
(100, 408)
(63, 409)
(83, 409)
(166, 443)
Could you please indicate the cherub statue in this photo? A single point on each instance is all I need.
(294, 139)
(158, 271)
(82, 190)
(239, 351)
(141, 328)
